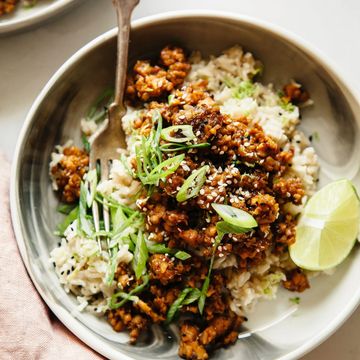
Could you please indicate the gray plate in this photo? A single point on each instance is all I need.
(24, 18)
(283, 332)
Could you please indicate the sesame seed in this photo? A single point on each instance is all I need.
(214, 194)
(221, 152)
(202, 192)
(182, 117)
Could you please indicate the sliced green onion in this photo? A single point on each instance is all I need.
(226, 228)
(169, 147)
(235, 216)
(127, 297)
(158, 249)
(163, 249)
(157, 119)
(86, 143)
(140, 255)
(124, 161)
(112, 268)
(206, 283)
(164, 169)
(84, 224)
(176, 305)
(171, 98)
(72, 216)
(91, 182)
(192, 184)
(97, 112)
(182, 255)
(203, 294)
(65, 208)
(185, 133)
(150, 168)
(192, 296)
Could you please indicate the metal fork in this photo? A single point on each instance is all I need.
(111, 136)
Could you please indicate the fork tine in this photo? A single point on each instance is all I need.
(95, 212)
(104, 166)
(95, 206)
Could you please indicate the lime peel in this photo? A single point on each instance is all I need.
(328, 227)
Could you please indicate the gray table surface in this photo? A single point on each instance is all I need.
(27, 61)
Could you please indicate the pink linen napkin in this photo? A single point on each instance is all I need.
(28, 329)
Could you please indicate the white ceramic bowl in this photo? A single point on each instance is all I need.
(23, 18)
(283, 331)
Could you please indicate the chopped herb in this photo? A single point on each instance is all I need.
(192, 184)
(286, 105)
(295, 300)
(244, 89)
(315, 136)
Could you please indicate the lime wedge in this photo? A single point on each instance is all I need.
(327, 228)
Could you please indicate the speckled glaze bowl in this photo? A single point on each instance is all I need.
(277, 329)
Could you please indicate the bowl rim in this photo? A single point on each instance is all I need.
(19, 23)
(80, 330)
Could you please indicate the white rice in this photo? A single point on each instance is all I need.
(82, 267)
